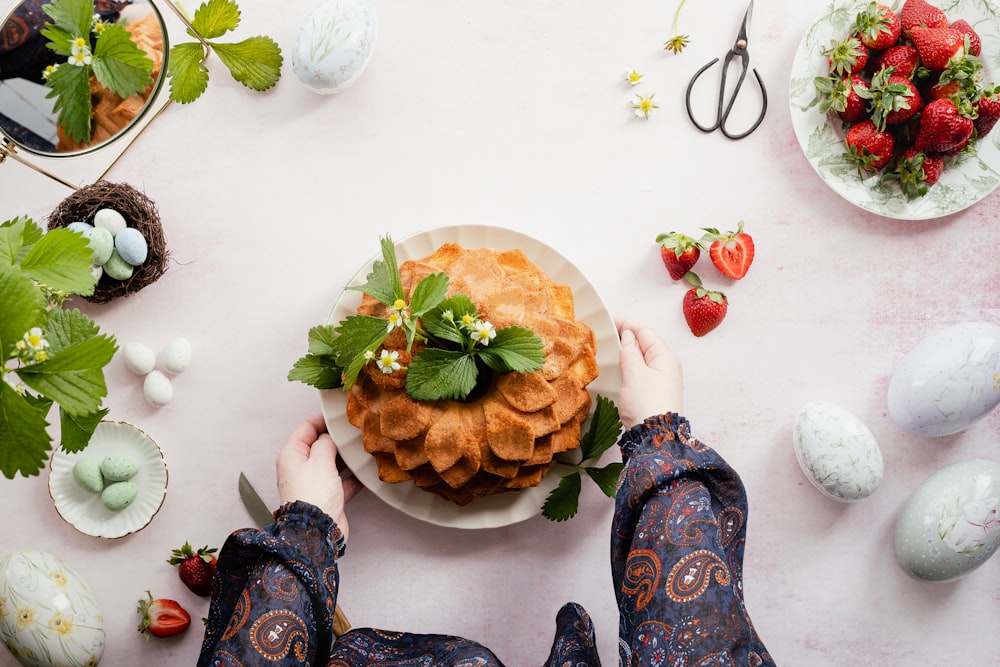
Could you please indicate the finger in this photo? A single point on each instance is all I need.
(630, 357)
(318, 422)
(654, 350)
(324, 451)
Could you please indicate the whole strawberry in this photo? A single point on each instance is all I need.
(195, 568)
(848, 56)
(877, 26)
(916, 171)
(987, 111)
(703, 309)
(678, 252)
(903, 58)
(869, 147)
(921, 12)
(844, 97)
(161, 617)
(975, 41)
(943, 129)
(892, 99)
(937, 46)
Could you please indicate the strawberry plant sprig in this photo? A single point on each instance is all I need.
(255, 62)
(93, 48)
(48, 355)
(605, 426)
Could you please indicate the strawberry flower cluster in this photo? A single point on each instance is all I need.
(908, 89)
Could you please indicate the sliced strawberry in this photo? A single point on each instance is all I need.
(943, 128)
(921, 12)
(878, 27)
(678, 252)
(732, 252)
(161, 617)
(703, 309)
(869, 147)
(937, 46)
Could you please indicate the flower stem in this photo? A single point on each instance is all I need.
(677, 15)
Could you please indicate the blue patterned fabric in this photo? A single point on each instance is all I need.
(676, 557)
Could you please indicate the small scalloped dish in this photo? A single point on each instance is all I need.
(83, 509)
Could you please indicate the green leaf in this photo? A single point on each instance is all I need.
(74, 377)
(383, 282)
(564, 500)
(428, 293)
(318, 371)
(22, 306)
(71, 15)
(356, 334)
(60, 41)
(70, 86)
(188, 76)
(321, 340)
(606, 477)
(16, 237)
(76, 430)
(61, 260)
(119, 64)
(514, 349)
(438, 327)
(605, 427)
(24, 440)
(435, 374)
(64, 327)
(215, 18)
(255, 62)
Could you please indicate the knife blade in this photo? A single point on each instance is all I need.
(263, 517)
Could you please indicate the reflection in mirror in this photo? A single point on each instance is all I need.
(42, 109)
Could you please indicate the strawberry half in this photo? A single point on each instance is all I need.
(732, 252)
(703, 309)
(161, 617)
(195, 568)
(678, 252)
(937, 46)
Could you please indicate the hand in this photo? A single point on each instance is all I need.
(652, 377)
(307, 470)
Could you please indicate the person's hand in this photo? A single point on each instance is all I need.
(307, 470)
(652, 377)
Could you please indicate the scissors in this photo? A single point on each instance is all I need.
(739, 50)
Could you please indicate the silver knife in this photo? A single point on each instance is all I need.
(263, 517)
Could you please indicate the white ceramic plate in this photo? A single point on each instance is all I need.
(966, 179)
(491, 511)
(84, 510)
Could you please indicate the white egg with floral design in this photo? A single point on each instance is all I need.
(335, 44)
(48, 616)
(837, 452)
(951, 523)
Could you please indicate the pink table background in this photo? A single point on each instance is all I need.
(516, 114)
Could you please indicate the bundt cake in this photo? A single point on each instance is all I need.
(505, 435)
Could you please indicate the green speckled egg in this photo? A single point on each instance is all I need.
(118, 268)
(119, 495)
(119, 468)
(87, 473)
(101, 244)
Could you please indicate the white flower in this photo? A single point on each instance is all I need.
(80, 58)
(388, 361)
(398, 315)
(32, 348)
(968, 532)
(484, 333)
(644, 105)
(633, 77)
(369, 355)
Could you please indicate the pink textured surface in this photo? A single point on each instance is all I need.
(516, 114)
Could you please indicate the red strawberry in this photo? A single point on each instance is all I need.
(987, 112)
(703, 309)
(678, 252)
(195, 568)
(915, 171)
(848, 56)
(732, 252)
(843, 98)
(161, 617)
(921, 12)
(878, 27)
(869, 147)
(892, 99)
(937, 46)
(942, 128)
(903, 58)
(975, 43)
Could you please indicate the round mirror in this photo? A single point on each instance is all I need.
(77, 74)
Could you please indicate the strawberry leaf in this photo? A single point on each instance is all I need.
(215, 18)
(428, 293)
(119, 64)
(514, 349)
(72, 16)
(383, 282)
(564, 500)
(76, 430)
(435, 374)
(317, 371)
(188, 76)
(24, 440)
(606, 477)
(24, 305)
(255, 62)
(61, 260)
(605, 427)
(16, 236)
(70, 86)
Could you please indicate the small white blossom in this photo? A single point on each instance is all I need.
(388, 361)
(484, 333)
(644, 106)
(81, 58)
(32, 348)
(369, 355)
(633, 77)
(398, 315)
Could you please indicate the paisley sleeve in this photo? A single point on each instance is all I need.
(677, 552)
(275, 591)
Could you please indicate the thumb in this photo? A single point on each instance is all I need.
(630, 355)
(324, 451)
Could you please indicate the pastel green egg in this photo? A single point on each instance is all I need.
(119, 467)
(110, 219)
(102, 243)
(118, 268)
(119, 495)
(87, 473)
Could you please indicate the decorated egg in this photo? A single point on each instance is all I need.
(48, 616)
(157, 389)
(837, 452)
(138, 358)
(951, 523)
(335, 44)
(132, 246)
(176, 356)
(949, 381)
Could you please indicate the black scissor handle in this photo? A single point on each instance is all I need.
(722, 112)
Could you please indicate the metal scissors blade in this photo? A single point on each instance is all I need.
(739, 51)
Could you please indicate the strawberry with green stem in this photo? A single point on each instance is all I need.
(731, 252)
(161, 617)
(945, 127)
(937, 46)
(195, 568)
(847, 56)
(891, 99)
(916, 171)
(678, 252)
(868, 147)
(703, 309)
(842, 97)
(877, 26)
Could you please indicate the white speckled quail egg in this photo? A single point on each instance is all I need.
(110, 219)
(116, 267)
(176, 356)
(132, 246)
(837, 452)
(48, 616)
(138, 358)
(157, 389)
(949, 381)
(335, 44)
(951, 524)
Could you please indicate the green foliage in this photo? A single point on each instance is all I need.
(255, 62)
(48, 355)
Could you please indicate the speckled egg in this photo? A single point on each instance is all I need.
(48, 616)
(138, 358)
(116, 267)
(335, 44)
(101, 244)
(119, 495)
(87, 473)
(176, 356)
(157, 389)
(111, 220)
(837, 452)
(949, 381)
(119, 467)
(132, 246)
(950, 525)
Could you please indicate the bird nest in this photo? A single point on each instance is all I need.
(139, 212)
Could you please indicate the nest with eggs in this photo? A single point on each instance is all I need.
(139, 212)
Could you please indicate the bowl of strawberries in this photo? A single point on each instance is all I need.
(894, 104)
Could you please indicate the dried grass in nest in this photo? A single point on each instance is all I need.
(139, 212)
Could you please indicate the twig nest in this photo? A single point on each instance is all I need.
(119, 209)
(334, 45)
